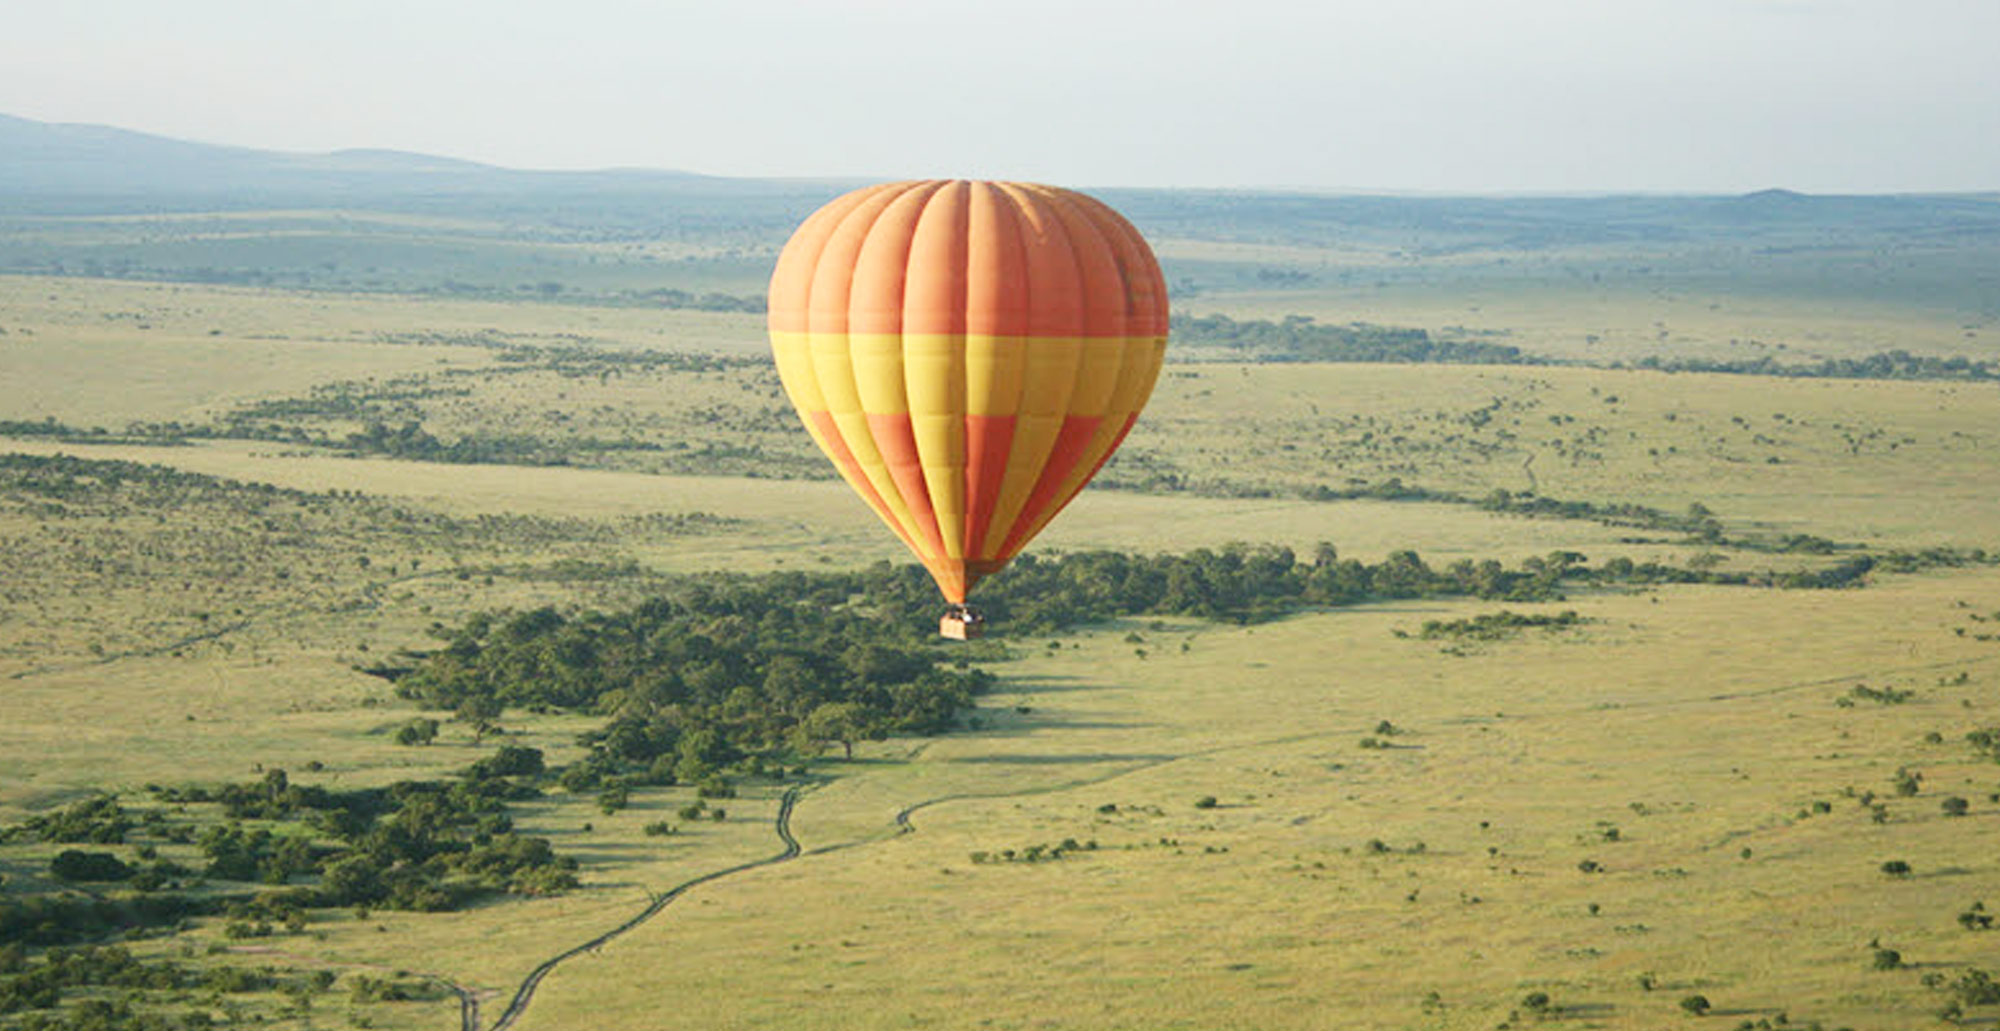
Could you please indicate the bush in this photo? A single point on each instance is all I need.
(74, 865)
(1696, 1004)
(1206, 802)
(418, 731)
(1896, 868)
(1908, 782)
(509, 761)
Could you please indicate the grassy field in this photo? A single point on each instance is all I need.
(1329, 882)
(1327, 820)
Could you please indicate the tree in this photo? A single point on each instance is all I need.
(354, 880)
(481, 711)
(509, 761)
(75, 865)
(845, 722)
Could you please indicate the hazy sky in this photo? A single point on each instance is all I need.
(1439, 95)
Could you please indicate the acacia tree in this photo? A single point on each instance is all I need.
(845, 722)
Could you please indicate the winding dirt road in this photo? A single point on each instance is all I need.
(526, 993)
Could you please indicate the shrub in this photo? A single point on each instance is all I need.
(74, 865)
(418, 731)
(510, 761)
(1696, 1004)
(1976, 988)
(1206, 802)
(1908, 782)
(1955, 806)
(1887, 959)
(1896, 868)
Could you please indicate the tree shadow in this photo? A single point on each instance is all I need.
(1041, 683)
(1060, 760)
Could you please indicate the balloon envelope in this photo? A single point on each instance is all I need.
(968, 354)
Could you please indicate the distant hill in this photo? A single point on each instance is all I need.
(68, 167)
(63, 168)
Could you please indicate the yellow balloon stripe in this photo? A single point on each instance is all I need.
(1134, 385)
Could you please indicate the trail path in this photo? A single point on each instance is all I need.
(525, 995)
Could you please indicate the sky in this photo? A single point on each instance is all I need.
(1448, 96)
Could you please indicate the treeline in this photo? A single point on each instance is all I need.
(30, 984)
(729, 667)
(1496, 626)
(709, 301)
(726, 669)
(1696, 521)
(1298, 338)
(1244, 583)
(410, 440)
(318, 279)
(384, 409)
(1897, 364)
(67, 478)
(413, 845)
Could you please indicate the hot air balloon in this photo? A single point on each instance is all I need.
(968, 354)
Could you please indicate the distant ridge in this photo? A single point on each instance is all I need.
(1774, 195)
(72, 169)
(375, 159)
(63, 160)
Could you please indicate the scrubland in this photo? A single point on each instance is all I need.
(1367, 816)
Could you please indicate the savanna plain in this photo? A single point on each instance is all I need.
(415, 621)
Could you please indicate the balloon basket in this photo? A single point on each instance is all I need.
(961, 623)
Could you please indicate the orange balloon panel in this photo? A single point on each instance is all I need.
(968, 354)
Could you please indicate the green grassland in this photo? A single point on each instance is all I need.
(1665, 742)
(1328, 819)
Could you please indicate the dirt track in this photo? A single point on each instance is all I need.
(526, 993)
